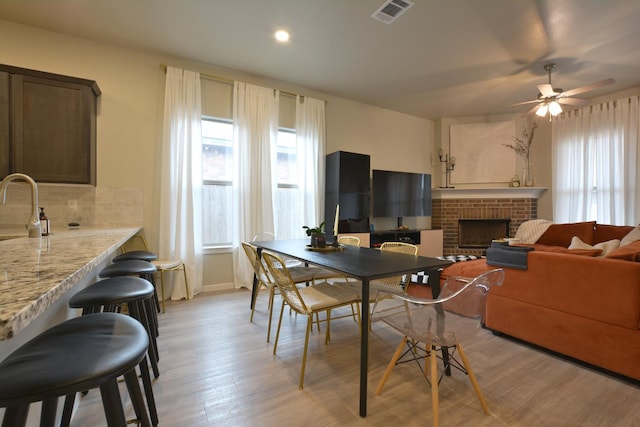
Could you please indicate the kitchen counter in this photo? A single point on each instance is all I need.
(36, 273)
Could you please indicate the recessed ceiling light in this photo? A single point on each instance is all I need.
(282, 36)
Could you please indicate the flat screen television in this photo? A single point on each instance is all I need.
(401, 194)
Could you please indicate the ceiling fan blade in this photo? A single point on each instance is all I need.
(525, 102)
(533, 110)
(546, 90)
(588, 87)
(573, 101)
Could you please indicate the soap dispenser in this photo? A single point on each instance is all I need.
(44, 223)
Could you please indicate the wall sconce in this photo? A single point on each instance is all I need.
(450, 164)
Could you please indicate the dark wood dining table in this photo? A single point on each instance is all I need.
(364, 264)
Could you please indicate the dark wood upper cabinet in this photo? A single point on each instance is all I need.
(48, 126)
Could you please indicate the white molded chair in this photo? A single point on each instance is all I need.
(445, 322)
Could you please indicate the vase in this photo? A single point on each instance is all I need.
(318, 240)
(528, 176)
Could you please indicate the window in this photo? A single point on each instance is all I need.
(288, 200)
(217, 179)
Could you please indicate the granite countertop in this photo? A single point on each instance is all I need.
(34, 273)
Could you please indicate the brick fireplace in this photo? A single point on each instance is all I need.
(506, 204)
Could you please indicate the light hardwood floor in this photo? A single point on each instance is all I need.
(217, 370)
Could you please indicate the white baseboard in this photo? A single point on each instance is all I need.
(218, 287)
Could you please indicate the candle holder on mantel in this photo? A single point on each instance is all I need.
(450, 164)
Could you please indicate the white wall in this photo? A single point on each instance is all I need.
(541, 152)
(131, 107)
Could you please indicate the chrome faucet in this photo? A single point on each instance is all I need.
(34, 223)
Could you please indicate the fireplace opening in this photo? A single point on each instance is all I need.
(478, 233)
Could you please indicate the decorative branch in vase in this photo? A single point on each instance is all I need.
(522, 147)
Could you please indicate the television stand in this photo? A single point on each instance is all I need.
(405, 236)
(429, 242)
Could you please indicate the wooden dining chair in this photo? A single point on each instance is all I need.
(393, 284)
(299, 274)
(308, 301)
(349, 240)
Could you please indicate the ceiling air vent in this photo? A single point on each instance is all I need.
(391, 10)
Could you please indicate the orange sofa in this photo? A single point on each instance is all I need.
(569, 301)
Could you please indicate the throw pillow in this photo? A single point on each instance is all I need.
(606, 247)
(629, 252)
(530, 231)
(604, 232)
(561, 234)
(631, 237)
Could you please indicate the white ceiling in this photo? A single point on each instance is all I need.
(442, 58)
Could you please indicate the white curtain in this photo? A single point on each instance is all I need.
(255, 133)
(597, 164)
(180, 234)
(310, 143)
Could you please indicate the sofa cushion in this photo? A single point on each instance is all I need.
(630, 252)
(604, 233)
(605, 247)
(530, 231)
(471, 268)
(632, 236)
(561, 234)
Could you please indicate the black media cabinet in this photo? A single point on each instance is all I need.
(405, 236)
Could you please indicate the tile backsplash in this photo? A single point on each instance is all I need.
(86, 205)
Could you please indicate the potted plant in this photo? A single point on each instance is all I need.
(317, 236)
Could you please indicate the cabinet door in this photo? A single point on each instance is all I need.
(4, 124)
(52, 134)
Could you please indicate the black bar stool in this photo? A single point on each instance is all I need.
(161, 266)
(135, 267)
(79, 354)
(109, 295)
(143, 255)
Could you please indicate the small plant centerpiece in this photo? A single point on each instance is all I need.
(318, 240)
(522, 147)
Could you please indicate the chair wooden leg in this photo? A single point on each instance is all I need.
(434, 386)
(16, 416)
(391, 364)
(48, 412)
(135, 394)
(113, 410)
(306, 346)
(473, 379)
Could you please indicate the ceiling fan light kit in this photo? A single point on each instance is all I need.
(550, 98)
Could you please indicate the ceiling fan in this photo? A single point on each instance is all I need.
(550, 98)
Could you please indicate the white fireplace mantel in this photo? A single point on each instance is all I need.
(488, 193)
